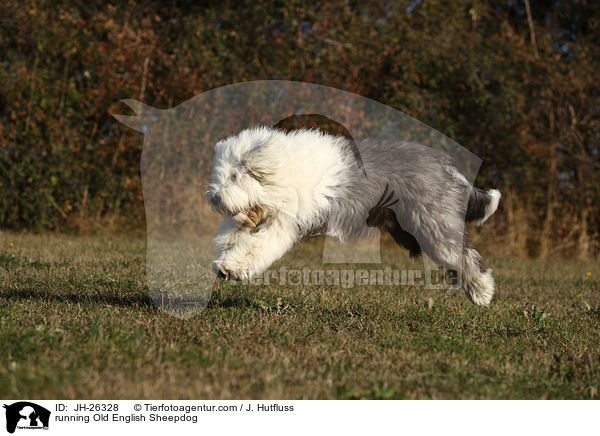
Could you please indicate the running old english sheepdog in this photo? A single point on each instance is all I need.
(278, 187)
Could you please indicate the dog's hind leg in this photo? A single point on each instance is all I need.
(403, 238)
(477, 282)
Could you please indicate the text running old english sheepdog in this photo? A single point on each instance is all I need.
(277, 188)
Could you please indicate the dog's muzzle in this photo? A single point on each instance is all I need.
(214, 200)
(216, 203)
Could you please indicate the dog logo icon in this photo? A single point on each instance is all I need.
(281, 161)
(26, 415)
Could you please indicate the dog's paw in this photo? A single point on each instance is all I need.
(220, 271)
(231, 271)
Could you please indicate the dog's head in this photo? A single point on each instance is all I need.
(241, 170)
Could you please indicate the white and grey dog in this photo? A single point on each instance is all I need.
(277, 188)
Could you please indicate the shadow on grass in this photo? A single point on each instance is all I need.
(217, 301)
(108, 298)
(252, 302)
(230, 302)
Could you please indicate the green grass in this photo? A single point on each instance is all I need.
(76, 322)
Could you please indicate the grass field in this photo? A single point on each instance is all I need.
(76, 322)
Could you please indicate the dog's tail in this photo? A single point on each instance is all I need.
(482, 205)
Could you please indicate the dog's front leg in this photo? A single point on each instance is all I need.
(227, 236)
(254, 252)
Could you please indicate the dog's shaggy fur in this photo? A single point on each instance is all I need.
(277, 188)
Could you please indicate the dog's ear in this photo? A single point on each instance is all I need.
(262, 161)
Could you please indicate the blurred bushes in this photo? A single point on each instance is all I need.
(467, 68)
